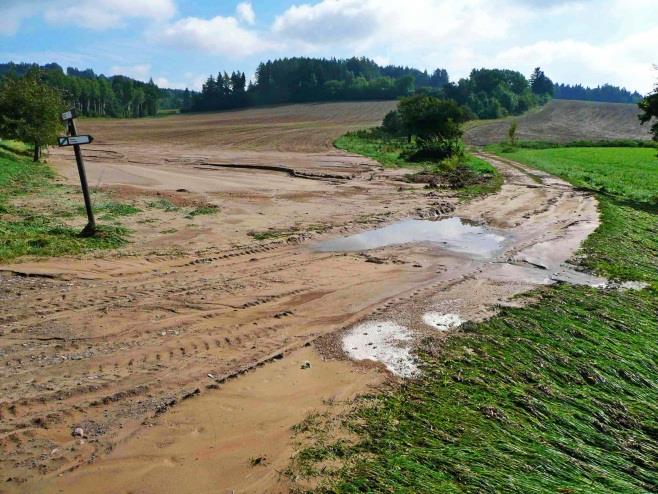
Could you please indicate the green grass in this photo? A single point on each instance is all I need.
(274, 233)
(164, 204)
(386, 151)
(111, 209)
(557, 397)
(25, 231)
(203, 211)
(484, 178)
(15, 148)
(628, 173)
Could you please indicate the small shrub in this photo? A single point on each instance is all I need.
(435, 149)
(392, 123)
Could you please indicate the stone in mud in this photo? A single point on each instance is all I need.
(298, 238)
(306, 365)
(78, 432)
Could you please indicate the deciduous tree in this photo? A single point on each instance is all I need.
(426, 117)
(30, 111)
(649, 107)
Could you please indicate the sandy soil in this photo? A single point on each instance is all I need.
(142, 349)
(565, 121)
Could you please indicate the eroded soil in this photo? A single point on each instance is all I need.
(140, 348)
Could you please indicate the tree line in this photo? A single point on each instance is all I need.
(496, 93)
(486, 93)
(605, 93)
(97, 95)
(300, 79)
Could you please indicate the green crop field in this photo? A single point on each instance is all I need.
(629, 173)
(557, 397)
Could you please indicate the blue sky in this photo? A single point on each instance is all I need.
(180, 42)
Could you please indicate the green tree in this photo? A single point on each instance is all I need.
(428, 117)
(540, 83)
(393, 123)
(437, 125)
(649, 107)
(30, 111)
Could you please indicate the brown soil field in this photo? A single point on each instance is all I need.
(180, 356)
(563, 121)
(302, 128)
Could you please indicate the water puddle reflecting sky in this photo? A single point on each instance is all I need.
(450, 234)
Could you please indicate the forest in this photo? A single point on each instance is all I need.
(100, 96)
(296, 80)
(605, 93)
(486, 93)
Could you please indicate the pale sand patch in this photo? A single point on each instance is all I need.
(382, 341)
(442, 322)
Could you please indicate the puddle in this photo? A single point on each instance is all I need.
(382, 341)
(442, 322)
(451, 234)
(634, 285)
(569, 275)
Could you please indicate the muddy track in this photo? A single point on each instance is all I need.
(113, 343)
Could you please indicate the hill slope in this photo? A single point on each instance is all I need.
(563, 121)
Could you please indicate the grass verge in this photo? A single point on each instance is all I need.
(26, 231)
(625, 173)
(472, 177)
(560, 396)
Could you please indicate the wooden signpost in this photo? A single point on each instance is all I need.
(73, 139)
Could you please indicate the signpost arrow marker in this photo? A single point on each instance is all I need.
(75, 140)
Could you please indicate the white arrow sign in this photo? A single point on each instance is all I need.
(75, 140)
(67, 115)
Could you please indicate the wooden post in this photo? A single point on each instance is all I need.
(90, 229)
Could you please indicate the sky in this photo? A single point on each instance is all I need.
(179, 43)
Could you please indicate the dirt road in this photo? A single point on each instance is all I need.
(141, 349)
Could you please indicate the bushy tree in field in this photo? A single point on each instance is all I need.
(30, 111)
(436, 124)
(425, 116)
(649, 107)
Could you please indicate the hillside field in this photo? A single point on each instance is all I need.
(564, 121)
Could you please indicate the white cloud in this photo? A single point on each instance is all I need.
(588, 41)
(626, 62)
(144, 72)
(219, 35)
(401, 25)
(92, 14)
(141, 72)
(187, 81)
(245, 13)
